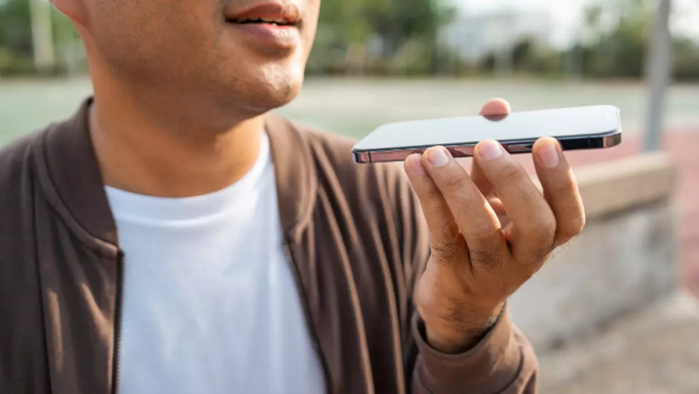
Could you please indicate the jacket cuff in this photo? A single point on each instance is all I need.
(493, 365)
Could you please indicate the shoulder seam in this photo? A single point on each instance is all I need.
(53, 199)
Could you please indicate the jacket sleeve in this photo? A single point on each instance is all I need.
(502, 362)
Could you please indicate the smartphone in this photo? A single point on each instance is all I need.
(590, 127)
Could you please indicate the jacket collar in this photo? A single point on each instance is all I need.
(70, 176)
(297, 182)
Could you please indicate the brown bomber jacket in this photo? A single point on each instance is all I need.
(354, 237)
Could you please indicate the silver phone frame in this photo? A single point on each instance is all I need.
(579, 142)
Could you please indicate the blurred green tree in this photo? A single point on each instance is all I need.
(402, 37)
(686, 57)
(16, 49)
(15, 26)
(404, 30)
(618, 47)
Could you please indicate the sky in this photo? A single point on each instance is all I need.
(568, 13)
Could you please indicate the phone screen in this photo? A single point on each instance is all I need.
(531, 125)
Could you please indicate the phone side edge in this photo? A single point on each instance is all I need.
(360, 157)
(608, 140)
(595, 141)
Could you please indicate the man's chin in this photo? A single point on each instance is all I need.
(271, 96)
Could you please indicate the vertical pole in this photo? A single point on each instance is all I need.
(658, 74)
(505, 49)
(44, 55)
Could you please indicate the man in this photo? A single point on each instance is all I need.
(172, 237)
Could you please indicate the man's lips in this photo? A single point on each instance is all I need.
(283, 14)
(274, 25)
(271, 24)
(269, 35)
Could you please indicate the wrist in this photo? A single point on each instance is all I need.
(453, 337)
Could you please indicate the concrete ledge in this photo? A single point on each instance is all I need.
(615, 186)
(623, 260)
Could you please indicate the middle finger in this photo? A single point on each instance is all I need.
(534, 225)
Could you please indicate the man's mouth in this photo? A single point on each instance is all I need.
(279, 14)
(272, 24)
(268, 20)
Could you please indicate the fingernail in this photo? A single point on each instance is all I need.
(489, 150)
(438, 157)
(549, 154)
(416, 164)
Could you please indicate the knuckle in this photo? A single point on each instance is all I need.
(430, 198)
(454, 183)
(541, 231)
(447, 230)
(548, 228)
(465, 204)
(581, 222)
(485, 234)
(448, 253)
(487, 257)
(572, 228)
(527, 196)
(534, 257)
(432, 202)
(511, 173)
(432, 194)
(433, 207)
(564, 187)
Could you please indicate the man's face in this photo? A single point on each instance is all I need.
(248, 54)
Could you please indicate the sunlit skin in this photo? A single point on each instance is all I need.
(491, 231)
(180, 89)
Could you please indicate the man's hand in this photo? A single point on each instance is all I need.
(490, 232)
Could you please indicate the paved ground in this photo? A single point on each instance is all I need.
(652, 351)
(355, 107)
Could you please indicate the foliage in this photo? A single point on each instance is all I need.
(620, 50)
(614, 44)
(686, 55)
(394, 34)
(16, 36)
(15, 27)
(401, 37)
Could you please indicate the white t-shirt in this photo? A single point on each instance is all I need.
(210, 303)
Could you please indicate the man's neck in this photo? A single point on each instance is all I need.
(139, 153)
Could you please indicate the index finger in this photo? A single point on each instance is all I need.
(495, 106)
(476, 219)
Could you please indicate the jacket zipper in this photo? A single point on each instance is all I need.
(307, 315)
(117, 322)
